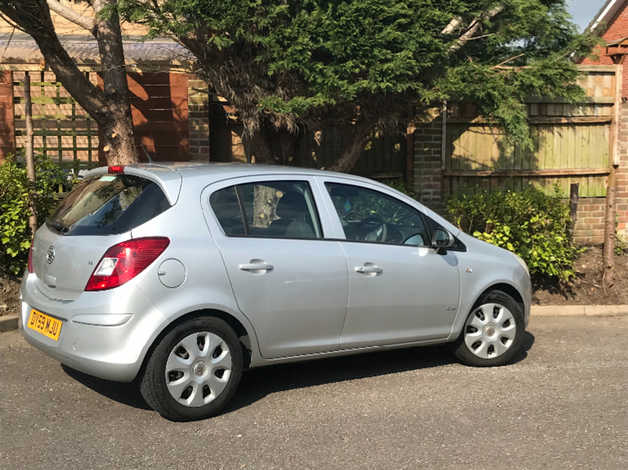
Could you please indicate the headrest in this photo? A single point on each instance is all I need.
(292, 204)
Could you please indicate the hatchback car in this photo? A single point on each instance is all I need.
(182, 276)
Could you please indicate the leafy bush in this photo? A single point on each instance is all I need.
(16, 192)
(529, 223)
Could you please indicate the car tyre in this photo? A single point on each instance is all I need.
(493, 332)
(194, 370)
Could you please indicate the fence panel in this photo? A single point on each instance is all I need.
(571, 143)
(62, 129)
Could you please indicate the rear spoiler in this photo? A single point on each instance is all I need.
(167, 178)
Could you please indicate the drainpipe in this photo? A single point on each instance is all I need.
(443, 143)
(444, 187)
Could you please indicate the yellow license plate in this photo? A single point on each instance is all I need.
(45, 324)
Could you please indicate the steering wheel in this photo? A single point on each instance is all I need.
(374, 228)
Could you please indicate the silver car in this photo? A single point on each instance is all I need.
(182, 276)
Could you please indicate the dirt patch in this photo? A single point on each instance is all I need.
(587, 288)
(9, 296)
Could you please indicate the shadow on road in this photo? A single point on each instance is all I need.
(257, 383)
(125, 393)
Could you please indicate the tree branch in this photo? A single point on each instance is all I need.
(510, 59)
(452, 25)
(33, 17)
(473, 27)
(71, 15)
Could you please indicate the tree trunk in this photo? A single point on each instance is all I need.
(117, 142)
(573, 209)
(30, 164)
(609, 232)
(256, 147)
(352, 152)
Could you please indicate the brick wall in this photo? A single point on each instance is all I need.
(622, 173)
(198, 119)
(589, 228)
(617, 29)
(7, 122)
(427, 178)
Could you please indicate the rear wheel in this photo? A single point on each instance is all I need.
(492, 333)
(194, 370)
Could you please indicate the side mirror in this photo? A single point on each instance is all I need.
(441, 240)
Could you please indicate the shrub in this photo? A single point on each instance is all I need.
(15, 195)
(529, 223)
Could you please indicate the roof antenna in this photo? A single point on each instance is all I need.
(150, 160)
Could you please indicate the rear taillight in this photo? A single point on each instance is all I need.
(115, 170)
(30, 260)
(124, 261)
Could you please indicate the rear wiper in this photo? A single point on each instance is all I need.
(59, 227)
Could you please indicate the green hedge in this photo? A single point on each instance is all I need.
(528, 222)
(16, 192)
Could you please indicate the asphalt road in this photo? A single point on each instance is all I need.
(564, 404)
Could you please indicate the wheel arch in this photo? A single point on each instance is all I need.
(499, 285)
(240, 330)
(504, 287)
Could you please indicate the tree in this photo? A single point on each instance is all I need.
(108, 106)
(366, 65)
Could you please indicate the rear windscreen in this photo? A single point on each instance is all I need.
(107, 205)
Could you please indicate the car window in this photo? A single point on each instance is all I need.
(108, 204)
(273, 209)
(368, 215)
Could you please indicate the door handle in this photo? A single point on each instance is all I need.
(369, 268)
(256, 266)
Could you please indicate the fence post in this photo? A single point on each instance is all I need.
(573, 209)
(608, 254)
(30, 164)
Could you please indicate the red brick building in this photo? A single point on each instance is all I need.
(611, 23)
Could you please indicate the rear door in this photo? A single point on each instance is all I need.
(98, 213)
(290, 282)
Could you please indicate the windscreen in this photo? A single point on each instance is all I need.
(108, 204)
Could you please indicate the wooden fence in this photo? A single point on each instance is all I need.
(573, 143)
(62, 129)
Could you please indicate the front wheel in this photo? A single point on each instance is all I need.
(493, 332)
(194, 370)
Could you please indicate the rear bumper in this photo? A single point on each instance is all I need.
(82, 359)
(94, 338)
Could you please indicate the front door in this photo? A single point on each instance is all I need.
(289, 281)
(400, 290)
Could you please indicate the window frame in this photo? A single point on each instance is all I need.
(317, 222)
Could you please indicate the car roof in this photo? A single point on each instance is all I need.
(219, 171)
(170, 175)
